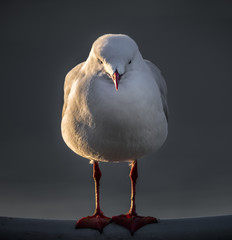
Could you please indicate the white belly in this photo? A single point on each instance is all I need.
(115, 126)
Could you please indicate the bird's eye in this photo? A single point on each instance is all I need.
(100, 61)
(129, 62)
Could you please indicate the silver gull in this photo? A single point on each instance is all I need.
(115, 110)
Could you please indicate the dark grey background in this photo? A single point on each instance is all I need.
(190, 41)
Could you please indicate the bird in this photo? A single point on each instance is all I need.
(115, 110)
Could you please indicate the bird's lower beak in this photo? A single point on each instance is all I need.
(116, 79)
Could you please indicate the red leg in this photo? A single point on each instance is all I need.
(133, 176)
(131, 220)
(98, 220)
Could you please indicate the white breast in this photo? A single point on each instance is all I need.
(105, 125)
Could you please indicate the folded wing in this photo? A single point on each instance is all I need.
(161, 84)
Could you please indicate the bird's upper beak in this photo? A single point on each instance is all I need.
(116, 79)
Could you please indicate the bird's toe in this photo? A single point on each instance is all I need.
(97, 221)
(133, 222)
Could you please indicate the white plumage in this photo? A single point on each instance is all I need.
(102, 124)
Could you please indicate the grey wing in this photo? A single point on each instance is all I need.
(69, 79)
(161, 84)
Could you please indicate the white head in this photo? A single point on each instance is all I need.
(114, 55)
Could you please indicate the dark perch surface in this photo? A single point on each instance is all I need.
(186, 229)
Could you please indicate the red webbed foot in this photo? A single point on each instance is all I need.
(132, 221)
(97, 221)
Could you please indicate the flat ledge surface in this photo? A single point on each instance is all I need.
(217, 228)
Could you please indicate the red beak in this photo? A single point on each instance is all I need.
(116, 79)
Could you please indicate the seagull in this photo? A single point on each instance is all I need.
(115, 110)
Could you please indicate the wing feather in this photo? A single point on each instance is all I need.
(161, 84)
(69, 79)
